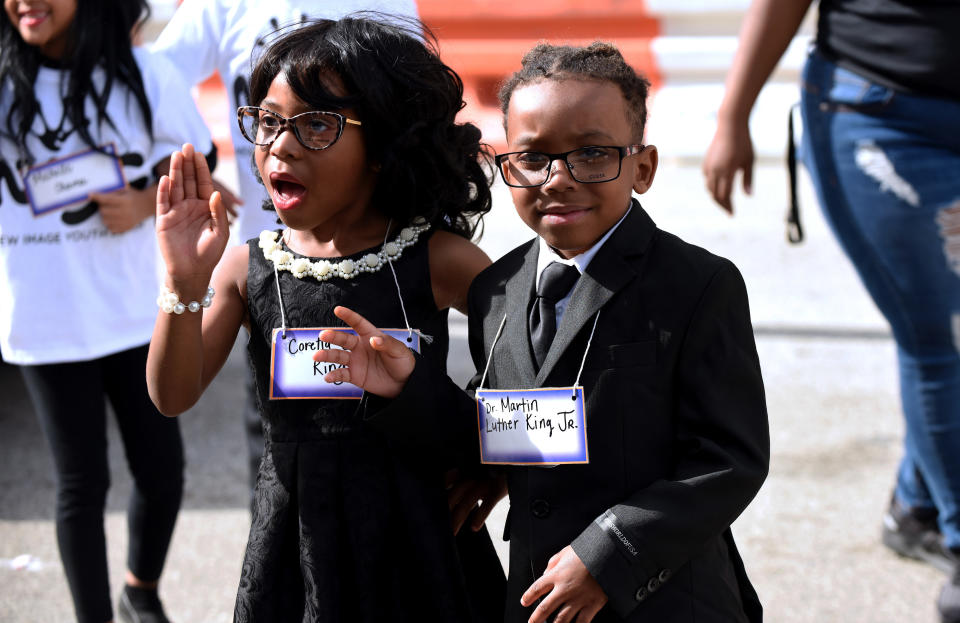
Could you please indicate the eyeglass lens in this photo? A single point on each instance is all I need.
(589, 164)
(314, 129)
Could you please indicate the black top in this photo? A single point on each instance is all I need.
(908, 45)
(309, 303)
(344, 527)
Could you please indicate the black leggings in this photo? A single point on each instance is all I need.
(68, 398)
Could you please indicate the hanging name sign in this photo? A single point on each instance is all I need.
(294, 374)
(66, 181)
(545, 426)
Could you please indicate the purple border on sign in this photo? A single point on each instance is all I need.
(111, 148)
(577, 455)
(340, 391)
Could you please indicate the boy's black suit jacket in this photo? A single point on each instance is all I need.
(676, 424)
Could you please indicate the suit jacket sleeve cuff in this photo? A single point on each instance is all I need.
(617, 561)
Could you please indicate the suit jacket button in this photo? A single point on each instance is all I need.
(664, 575)
(641, 594)
(653, 585)
(540, 509)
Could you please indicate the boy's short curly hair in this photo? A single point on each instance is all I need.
(598, 61)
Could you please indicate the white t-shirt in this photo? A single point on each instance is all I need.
(223, 35)
(69, 289)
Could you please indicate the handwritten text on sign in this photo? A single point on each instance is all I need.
(63, 182)
(294, 373)
(545, 426)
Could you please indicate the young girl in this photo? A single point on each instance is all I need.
(377, 188)
(77, 281)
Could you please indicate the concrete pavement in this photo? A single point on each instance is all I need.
(810, 540)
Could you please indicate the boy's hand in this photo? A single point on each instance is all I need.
(473, 498)
(568, 587)
(375, 361)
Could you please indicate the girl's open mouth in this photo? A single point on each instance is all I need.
(287, 194)
(31, 19)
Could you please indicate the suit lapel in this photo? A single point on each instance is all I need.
(610, 270)
(514, 346)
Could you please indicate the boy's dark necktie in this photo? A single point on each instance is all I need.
(555, 281)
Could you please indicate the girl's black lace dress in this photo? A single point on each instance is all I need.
(344, 528)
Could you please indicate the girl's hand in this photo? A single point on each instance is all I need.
(374, 361)
(124, 209)
(570, 591)
(192, 227)
(230, 200)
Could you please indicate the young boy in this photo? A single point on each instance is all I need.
(677, 439)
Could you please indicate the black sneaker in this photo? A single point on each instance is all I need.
(949, 601)
(914, 534)
(140, 605)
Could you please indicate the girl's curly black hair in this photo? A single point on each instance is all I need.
(98, 37)
(598, 61)
(407, 99)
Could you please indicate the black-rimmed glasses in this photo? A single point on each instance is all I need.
(588, 165)
(315, 130)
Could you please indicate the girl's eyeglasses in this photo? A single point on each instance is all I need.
(315, 130)
(587, 165)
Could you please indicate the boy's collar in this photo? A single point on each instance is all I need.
(548, 254)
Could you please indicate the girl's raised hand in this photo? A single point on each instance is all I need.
(374, 361)
(192, 226)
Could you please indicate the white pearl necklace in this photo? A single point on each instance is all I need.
(323, 270)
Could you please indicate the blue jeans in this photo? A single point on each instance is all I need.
(886, 167)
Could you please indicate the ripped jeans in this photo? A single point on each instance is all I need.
(886, 167)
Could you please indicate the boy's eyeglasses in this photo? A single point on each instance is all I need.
(587, 165)
(315, 130)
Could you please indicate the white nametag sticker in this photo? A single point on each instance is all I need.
(545, 426)
(294, 373)
(65, 181)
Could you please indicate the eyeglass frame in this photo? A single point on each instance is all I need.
(286, 122)
(624, 151)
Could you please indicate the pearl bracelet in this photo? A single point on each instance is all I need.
(170, 303)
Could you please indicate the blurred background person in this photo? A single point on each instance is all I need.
(881, 140)
(77, 290)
